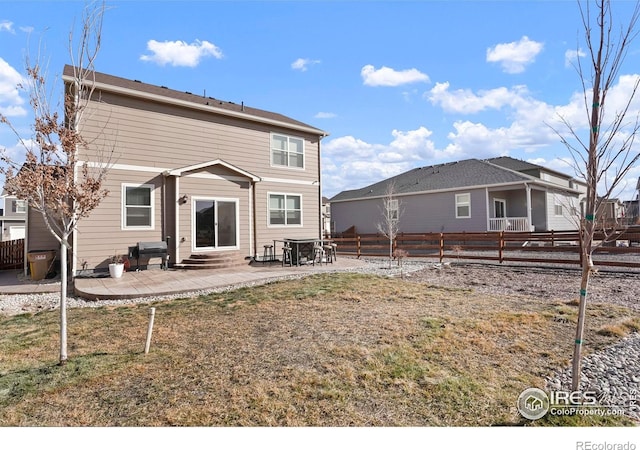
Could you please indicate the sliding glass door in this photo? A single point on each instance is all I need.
(215, 224)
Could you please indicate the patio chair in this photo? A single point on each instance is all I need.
(328, 251)
(268, 253)
(286, 255)
(318, 254)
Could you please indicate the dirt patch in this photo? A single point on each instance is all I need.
(543, 283)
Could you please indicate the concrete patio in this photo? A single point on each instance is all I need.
(155, 282)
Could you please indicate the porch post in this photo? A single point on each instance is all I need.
(529, 207)
(488, 209)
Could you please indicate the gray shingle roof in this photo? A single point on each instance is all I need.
(460, 174)
(163, 91)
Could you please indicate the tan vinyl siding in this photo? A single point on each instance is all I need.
(101, 234)
(193, 187)
(153, 135)
(310, 213)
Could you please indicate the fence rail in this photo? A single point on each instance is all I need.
(552, 247)
(12, 254)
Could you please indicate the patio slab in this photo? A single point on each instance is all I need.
(156, 282)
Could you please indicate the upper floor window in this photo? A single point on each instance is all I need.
(463, 206)
(20, 206)
(287, 151)
(137, 206)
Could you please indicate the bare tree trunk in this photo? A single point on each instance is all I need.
(63, 301)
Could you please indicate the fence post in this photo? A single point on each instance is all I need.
(501, 247)
(441, 253)
(358, 244)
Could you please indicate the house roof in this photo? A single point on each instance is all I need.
(449, 176)
(216, 162)
(137, 88)
(520, 166)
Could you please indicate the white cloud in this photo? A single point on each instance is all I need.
(325, 115)
(5, 25)
(179, 53)
(467, 102)
(515, 56)
(386, 76)
(302, 64)
(570, 56)
(350, 163)
(10, 100)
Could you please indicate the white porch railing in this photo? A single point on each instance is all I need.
(509, 224)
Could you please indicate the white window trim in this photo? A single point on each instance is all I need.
(287, 166)
(504, 203)
(193, 224)
(461, 203)
(269, 225)
(21, 206)
(557, 205)
(123, 199)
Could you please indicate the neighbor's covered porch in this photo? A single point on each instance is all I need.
(518, 208)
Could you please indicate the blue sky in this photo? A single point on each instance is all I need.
(396, 84)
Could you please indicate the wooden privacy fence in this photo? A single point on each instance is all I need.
(552, 247)
(12, 254)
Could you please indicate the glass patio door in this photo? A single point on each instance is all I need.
(215, 224)
(500, 208)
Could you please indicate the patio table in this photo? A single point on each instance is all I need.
(301, 249)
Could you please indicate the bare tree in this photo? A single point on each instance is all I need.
(51, 179)
(390, 225)
(606, 158)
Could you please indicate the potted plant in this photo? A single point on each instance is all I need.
(117, 266)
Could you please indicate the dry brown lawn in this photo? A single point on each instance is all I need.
(327, 350)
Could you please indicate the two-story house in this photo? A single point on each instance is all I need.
(12, 218)
(205, 175)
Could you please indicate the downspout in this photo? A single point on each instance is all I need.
(255, 220)
(320, 224)
(164, 202)
(251, 218)
(176, 206)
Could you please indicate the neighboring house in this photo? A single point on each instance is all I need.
(632, 208)
(12, 218)
(208, 176)
(499, 194)
(326, 217)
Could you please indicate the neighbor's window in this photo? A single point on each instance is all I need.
(287, 151)
(557, 209)
(285, 209)
(137, 206)
(392, 208)
(20, 206)
(463, 206)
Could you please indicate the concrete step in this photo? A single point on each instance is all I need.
(218, 260)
